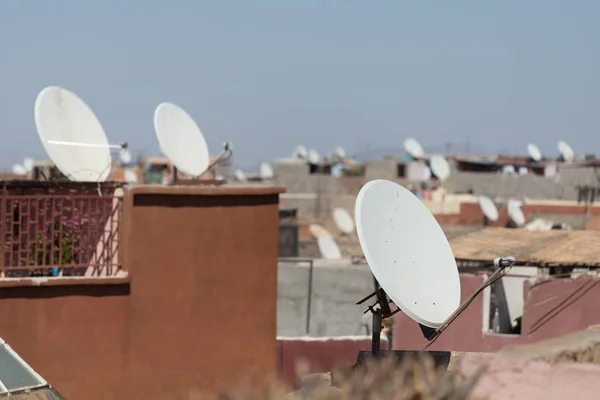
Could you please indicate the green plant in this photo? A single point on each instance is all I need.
(59, 245)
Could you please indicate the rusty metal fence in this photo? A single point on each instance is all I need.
(57, 235)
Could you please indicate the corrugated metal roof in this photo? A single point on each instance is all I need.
(556, 247)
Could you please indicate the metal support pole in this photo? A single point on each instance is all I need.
(309, 299)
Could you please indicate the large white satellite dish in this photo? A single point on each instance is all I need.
(408, 252)
(265, 171)
(566, 151)
(313, 156)
(515, 212)
(411, 259)
(414, 148)
(300, 152)
(72, 135)
(440, 167)
(488, 208)
(181, 140)
(329, 248)
(343, 220)
(534, 152)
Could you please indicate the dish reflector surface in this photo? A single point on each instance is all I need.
(317, 231)
(61, 116)
(488, 208)
(515, 212)
(28, 164)
(329, 248)
(440, 167)
(534, 152)
(239, 175)
(566, 151)
(313, 156)
(414, 148)
(339, 151)
(343, 220)
(130, 176)
(265, 170)
(407, 252)
(180, 139)
(19, 169)
(300, 151)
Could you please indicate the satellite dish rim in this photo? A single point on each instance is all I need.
(379, 275)
(534, 152)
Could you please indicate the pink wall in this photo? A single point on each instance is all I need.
(552, 308)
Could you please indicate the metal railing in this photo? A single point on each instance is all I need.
(56, 235)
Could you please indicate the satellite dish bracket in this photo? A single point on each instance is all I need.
(502, 264)
(379, 314)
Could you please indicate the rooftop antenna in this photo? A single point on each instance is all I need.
(18, 169)
(414, 148)
(343, 220)
(72, 136)
(300, 152)
(440, 167)
(534, 152)
(329, 248)
(240, 175)
(515, 212)
(182, 141)
(489, 209)
(566, 151)
(339, 152)
(405, 247)
(317, 231)
(313, 156)
(265, 171)
(130, 176)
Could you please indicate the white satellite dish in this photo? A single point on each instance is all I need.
(343, 220)
(181, 140)
(534, 152)
(523, 171)
(508, 169)
(18, 169)
(313, 156)
(515, 212)
(488, 208)
(411, 259)
(339, 152)
(407, 252)
(566, 151)
(72, 135)
(329, 248)
(28, 164)
(240, 175)
(130, 176)
(125, 156)
(440, 167)
(265, 171)
(300, 152)
(414, 148)
(317, 231)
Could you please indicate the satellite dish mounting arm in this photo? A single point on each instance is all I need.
(379, 314)
(503, 265)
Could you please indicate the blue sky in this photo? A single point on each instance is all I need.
(269, 75)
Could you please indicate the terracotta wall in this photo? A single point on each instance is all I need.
(552, 308)
(196, 313)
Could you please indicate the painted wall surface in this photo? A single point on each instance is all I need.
(202, 264)
(552, 308)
